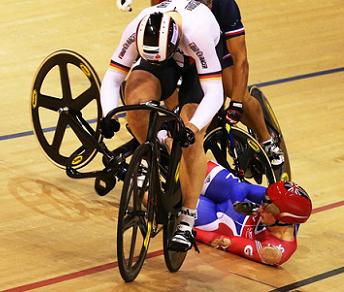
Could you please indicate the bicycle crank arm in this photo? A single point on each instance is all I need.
(73, 173)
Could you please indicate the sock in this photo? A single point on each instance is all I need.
(269, 141)
(188, 216)
(162, 135)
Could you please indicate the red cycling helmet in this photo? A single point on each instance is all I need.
(293, 202)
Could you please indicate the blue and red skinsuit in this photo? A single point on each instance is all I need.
(216, 217)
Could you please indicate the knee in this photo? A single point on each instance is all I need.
(196, 149)
(187, 111)
(141, 87)
(199, 137)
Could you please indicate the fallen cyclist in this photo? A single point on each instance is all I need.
(249, 220)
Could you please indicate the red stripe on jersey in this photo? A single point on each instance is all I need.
(119, 67)
(210, 166)
(215, 75)
(235, 32)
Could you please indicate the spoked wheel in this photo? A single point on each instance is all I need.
(284, 173)
(65, 83)
(173, 259)
(169, 206)
(253, 164)
(136, 218)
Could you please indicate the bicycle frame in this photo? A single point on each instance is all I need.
(169, 196)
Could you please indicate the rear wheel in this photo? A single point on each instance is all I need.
(136, 214)
(252, 164)
(283, 173)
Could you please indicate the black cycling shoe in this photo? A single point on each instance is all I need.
(274, 153)
(183, 239)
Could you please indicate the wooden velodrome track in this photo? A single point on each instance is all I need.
(56, 234)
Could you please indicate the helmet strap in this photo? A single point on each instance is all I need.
(277, 223)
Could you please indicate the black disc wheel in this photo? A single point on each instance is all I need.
(173, 259)
(136, 214)
(283, 173)
(65, 82)
(252, 163)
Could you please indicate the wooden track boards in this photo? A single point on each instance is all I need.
(52, 226)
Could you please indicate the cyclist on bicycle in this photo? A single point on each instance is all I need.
(243, 106)
(165, 37)
(266, 234)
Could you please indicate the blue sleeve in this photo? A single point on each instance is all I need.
(227, 14)
(226, 186)
(244, 191)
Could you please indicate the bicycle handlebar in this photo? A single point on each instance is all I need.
(149, 105)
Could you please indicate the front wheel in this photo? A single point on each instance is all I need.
(173, 259)
(135, 217)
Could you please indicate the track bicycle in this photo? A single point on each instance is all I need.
(138, 222)
(151, 195)
(76, 140)
(162, 171)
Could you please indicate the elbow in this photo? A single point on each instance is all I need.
(244, 65)
(271, 255)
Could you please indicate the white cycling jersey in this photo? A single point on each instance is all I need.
(200, 35)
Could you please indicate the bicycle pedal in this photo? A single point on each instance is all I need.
(104, 183)
(177, 247)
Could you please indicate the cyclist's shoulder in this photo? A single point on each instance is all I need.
(195, 14)
(226, 13)
(201, 26)
(226, 4)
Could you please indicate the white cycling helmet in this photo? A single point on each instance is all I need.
(157, 37)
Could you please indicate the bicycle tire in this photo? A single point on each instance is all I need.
(173, 259)
(169, 207)
(134, 215)
(252, 159)
(46, 105)
(274, 129)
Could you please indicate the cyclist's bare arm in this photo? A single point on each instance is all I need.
(237, 47)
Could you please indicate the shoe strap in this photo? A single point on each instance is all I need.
(194, 242)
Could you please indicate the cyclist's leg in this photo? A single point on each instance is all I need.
(192, 174)
(172, 101)
(148, 82)
(193, 163)
(141, 86)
